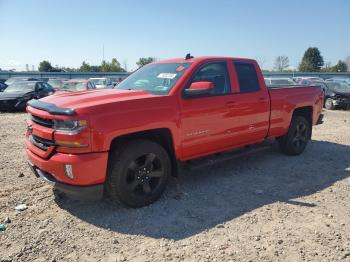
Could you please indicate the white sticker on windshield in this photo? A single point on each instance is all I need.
(166, 75)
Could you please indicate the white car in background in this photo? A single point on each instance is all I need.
(307, 80)
(279, 81)
(102, 82)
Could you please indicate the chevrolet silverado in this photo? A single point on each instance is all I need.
(126, 142)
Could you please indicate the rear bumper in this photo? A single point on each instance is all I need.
(94, 192)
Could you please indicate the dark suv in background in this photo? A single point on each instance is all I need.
(16, 95)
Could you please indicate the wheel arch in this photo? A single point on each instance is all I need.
(162, 136)
(307, 113)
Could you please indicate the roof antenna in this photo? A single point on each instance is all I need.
(188, 56)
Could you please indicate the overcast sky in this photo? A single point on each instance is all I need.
(67, 32)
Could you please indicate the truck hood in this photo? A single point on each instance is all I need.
(90, 98)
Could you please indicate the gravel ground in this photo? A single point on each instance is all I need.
(260, 207)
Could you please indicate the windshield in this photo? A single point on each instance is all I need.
(20, 87)
(73, 86)
(55, 83)
(155, 78)
(99, 81)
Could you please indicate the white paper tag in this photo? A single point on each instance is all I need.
(166, 75)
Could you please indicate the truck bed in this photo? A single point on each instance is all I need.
(284, 99)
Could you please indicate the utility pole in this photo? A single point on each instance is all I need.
(103, 52)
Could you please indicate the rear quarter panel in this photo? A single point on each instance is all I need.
(285, 100)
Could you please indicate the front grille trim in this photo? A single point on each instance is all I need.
(41, 143)
(42, 121)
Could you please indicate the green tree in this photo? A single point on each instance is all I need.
(312, 60)
(85, 67)
(113, 66)
(340, 67)
(105, 66)
(144, 61)
(95, 68)
(45, 66)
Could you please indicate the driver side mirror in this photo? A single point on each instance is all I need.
(197, 89)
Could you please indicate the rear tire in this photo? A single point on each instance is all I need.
(138, 173)
(328, 104)
(299, 133)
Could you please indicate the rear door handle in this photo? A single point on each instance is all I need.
(262, 99)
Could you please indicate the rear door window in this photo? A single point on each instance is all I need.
(247, 77)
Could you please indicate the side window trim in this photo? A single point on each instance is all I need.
(206, 64)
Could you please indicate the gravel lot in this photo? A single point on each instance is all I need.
(261, 207)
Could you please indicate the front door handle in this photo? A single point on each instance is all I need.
(262, 99)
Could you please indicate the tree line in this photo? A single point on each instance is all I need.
(312, 61)
(105, 66)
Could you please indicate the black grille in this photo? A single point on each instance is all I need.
(42, 143)
(42, 121)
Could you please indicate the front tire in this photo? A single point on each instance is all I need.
(138, 173)
(299, 133)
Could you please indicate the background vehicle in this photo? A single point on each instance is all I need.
(77, 85)
(279, 81)
(309, 80)
(102, 82)
(116, 81)
(129, 140)
(322, 84)
(16, 95)
(56, 83)
(2, 86)
(339, 80)
(337, 95)
(15, 79)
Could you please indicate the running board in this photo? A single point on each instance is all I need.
(225, 156)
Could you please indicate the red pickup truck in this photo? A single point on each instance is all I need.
(127, 141)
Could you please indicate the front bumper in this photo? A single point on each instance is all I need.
(8, 105)
(89, 172)
(341, 101)
(75, 192)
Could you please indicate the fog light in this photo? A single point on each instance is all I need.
(69, 171)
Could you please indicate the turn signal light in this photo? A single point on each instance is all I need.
(69, 143)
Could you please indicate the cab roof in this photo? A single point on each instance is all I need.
(201, 59)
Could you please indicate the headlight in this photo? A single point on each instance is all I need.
(68, 126)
